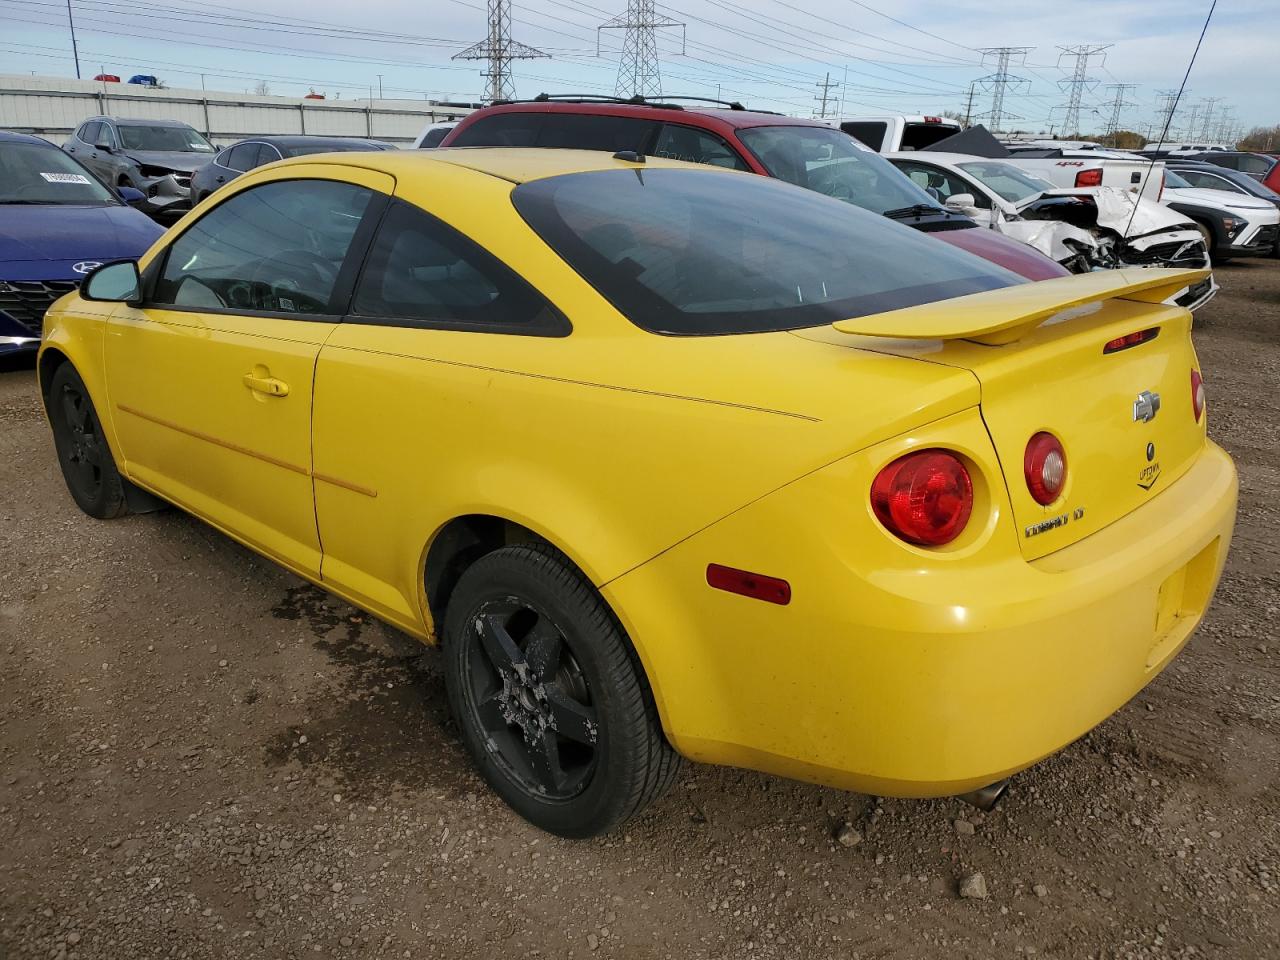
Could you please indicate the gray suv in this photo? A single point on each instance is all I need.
(154, 156)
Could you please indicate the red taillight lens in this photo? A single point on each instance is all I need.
(1197, 394)
(925, 497)
(1089, 178)
(1045, 464)
(749, 584)
(1130, 340)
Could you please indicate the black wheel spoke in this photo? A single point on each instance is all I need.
(571, 719)
(501, 650)
(544, 757)
(489, 713)
(73, 410)
(542, 649)
(91, 453)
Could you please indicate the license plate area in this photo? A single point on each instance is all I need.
(1181, 601)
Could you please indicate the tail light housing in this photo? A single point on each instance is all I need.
(1197, 394)
(1089, 178)
(925, 497)
(1045, 465)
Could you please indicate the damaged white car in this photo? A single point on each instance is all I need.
(1083, 228)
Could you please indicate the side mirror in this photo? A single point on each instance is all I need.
(961, 202)
(132, 196)
(104, 145)
(114, 283)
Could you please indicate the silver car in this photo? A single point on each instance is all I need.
(157, 157)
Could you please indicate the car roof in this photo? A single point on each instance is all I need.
(138, 121)
(6, 137)
(298, 140)
(696, 116)
(514, 164)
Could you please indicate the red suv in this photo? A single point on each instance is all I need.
(804, 152)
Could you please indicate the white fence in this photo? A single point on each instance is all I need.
(53, 107)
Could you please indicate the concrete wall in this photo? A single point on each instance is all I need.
(52, 107)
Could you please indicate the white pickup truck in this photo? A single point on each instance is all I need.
(1065, 165)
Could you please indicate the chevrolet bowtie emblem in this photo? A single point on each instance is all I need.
(1146, 407)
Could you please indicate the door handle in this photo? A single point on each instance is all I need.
(268, 386)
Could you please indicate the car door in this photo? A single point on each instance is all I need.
(210, 379)
(83, 149)
(947, 183)
(398, 382)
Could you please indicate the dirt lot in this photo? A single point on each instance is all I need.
(200, 756)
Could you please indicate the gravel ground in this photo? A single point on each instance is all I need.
(201, 756)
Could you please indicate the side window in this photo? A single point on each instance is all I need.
(422, 272)
(89, 132)
(502, 130)
(946, 183)
(276, 248)
(1254, 165)
(697, 146)
(108, 133)
(583, 131)
(433, 137)
(243, 157)
(872, 134)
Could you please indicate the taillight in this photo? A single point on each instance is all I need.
(1197, 394)
(1089, 178)
(1130, 340)
(1045, 464)
(925, 497)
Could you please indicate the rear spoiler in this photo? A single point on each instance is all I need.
(1001, 316)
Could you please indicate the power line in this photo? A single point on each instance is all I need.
(499, 49)
(1078, 81)
(638, 68)
(1000, 82)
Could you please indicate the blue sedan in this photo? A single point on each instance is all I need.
(57, 222)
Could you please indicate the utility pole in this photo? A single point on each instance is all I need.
(1118, 103)
(75, 51)
(379, 86)
(499, 49)
(968, 105)
(1075, 85)
(639, 74)
(998, 83)
(823, 97)
(1209, 104)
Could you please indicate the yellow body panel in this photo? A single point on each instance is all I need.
(895, 669)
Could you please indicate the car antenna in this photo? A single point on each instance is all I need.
(631, 156)
(1173, 109)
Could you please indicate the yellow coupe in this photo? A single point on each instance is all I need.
(674, 460)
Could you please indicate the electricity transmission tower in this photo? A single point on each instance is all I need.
(1002, 81)
(1118, 103)
(1164, 112)
(1075, 85)
(1206, 123)
(823, 97)
(638, 73)
(499, 49)
(1192, 116)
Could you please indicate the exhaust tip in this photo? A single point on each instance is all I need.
(986, 798)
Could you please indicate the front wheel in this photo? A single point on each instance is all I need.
(548, 697)
(87, 465)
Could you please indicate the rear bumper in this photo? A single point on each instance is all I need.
(918, 680)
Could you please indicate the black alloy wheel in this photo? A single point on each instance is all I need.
(87, 465)
(549, 698)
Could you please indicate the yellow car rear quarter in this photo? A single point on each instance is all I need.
(384, 456)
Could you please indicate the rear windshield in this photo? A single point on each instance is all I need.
(700, 253)
(917, 136)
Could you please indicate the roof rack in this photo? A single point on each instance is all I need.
(636, 101)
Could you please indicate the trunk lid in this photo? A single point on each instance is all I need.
(1037, 351)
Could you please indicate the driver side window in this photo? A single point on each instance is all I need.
(276, 248)
(946, 183)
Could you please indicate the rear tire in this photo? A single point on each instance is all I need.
(549, 698)
(87, 465)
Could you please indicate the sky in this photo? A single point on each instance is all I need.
(880, 56)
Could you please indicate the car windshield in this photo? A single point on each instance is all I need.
(1006, 180)
(703, 253)
(831, 162)
(135, 136)
(41, 173)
